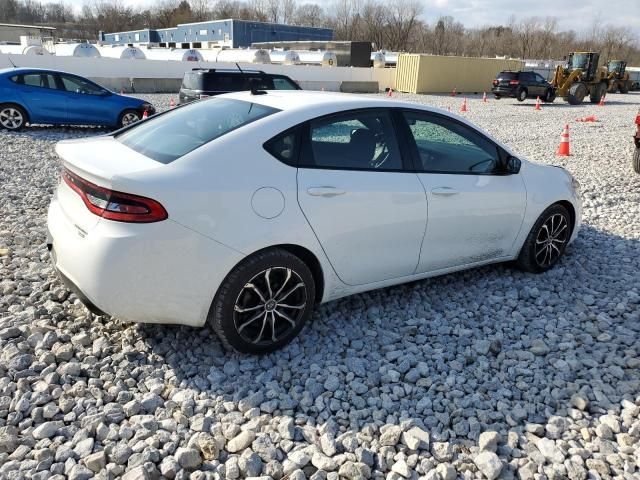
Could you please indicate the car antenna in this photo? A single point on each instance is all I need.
(239, 67)
(11, 61)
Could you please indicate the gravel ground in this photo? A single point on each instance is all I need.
(482, 374)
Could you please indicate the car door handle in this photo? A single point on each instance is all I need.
(325, 191)
(444, 191)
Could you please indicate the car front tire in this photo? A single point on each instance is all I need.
(263, 303)
(546, 241)
(12, 117)
(636, 160)
(128, 117)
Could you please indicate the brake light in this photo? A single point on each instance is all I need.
(112, 205)
(495, 82)
(514, 82)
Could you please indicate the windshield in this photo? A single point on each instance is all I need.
(508, 76)
(579, 60)
(174, 134)
(614, 66)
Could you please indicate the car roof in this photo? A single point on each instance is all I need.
(19, 70)
(292, 100)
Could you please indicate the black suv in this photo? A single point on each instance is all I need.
(523, 85)
(201, 82)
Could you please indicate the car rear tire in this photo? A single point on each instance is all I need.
(12, 117)
(263, 303)
(496, 96)
(625, 86)
(636, 160)
(522, 95)
(128, 117)
(546, 241)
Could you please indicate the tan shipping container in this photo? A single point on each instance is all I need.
(418, 73)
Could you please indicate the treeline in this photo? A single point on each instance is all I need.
(396, 25)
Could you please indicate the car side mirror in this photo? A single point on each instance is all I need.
(513, 165)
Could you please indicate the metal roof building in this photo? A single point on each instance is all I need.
(217, 33)
(10, 32)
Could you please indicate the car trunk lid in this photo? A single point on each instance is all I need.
(100, 161)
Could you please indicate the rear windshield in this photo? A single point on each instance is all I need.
(174, 134)
(192, 81)
(508, 75)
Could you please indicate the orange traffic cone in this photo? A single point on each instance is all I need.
(463, 108)
(484, 97)
(453, 92)
(390, 92)
(172, 103)
(601, 103)
(145, 114)
(538, 107)
(563, 148)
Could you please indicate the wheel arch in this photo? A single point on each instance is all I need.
(571, 209)
(309, 258)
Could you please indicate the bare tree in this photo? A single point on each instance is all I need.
(309, 14)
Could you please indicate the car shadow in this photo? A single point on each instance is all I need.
(491, 348)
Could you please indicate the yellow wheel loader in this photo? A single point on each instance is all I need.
(618, 78)
(580, 77)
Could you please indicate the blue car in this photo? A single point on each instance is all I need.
(34, 95)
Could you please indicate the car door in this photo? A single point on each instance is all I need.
(86, 102)
(44, 101)
(543, 85)
(475, 210)
(368, 214)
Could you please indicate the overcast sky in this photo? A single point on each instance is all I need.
(576, 15)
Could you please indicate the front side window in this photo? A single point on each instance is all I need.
(79, 85)
(171, 135)
(445, 146)
(281, 83)
(540, 78)
(360, 140)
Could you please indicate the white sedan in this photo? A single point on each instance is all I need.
(245, 210)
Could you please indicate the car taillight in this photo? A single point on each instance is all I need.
(495, 82)
(112, 205)
(203, 95)
(514, 82)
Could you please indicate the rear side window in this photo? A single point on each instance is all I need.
(285, 147)
(42, 80)
(224, 82)
(176, 133)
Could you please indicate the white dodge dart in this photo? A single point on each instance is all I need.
(245, 210)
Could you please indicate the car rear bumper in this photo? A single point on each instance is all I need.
(504, 91)
(152, 273)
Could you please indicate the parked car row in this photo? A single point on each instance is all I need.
(38, 96)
